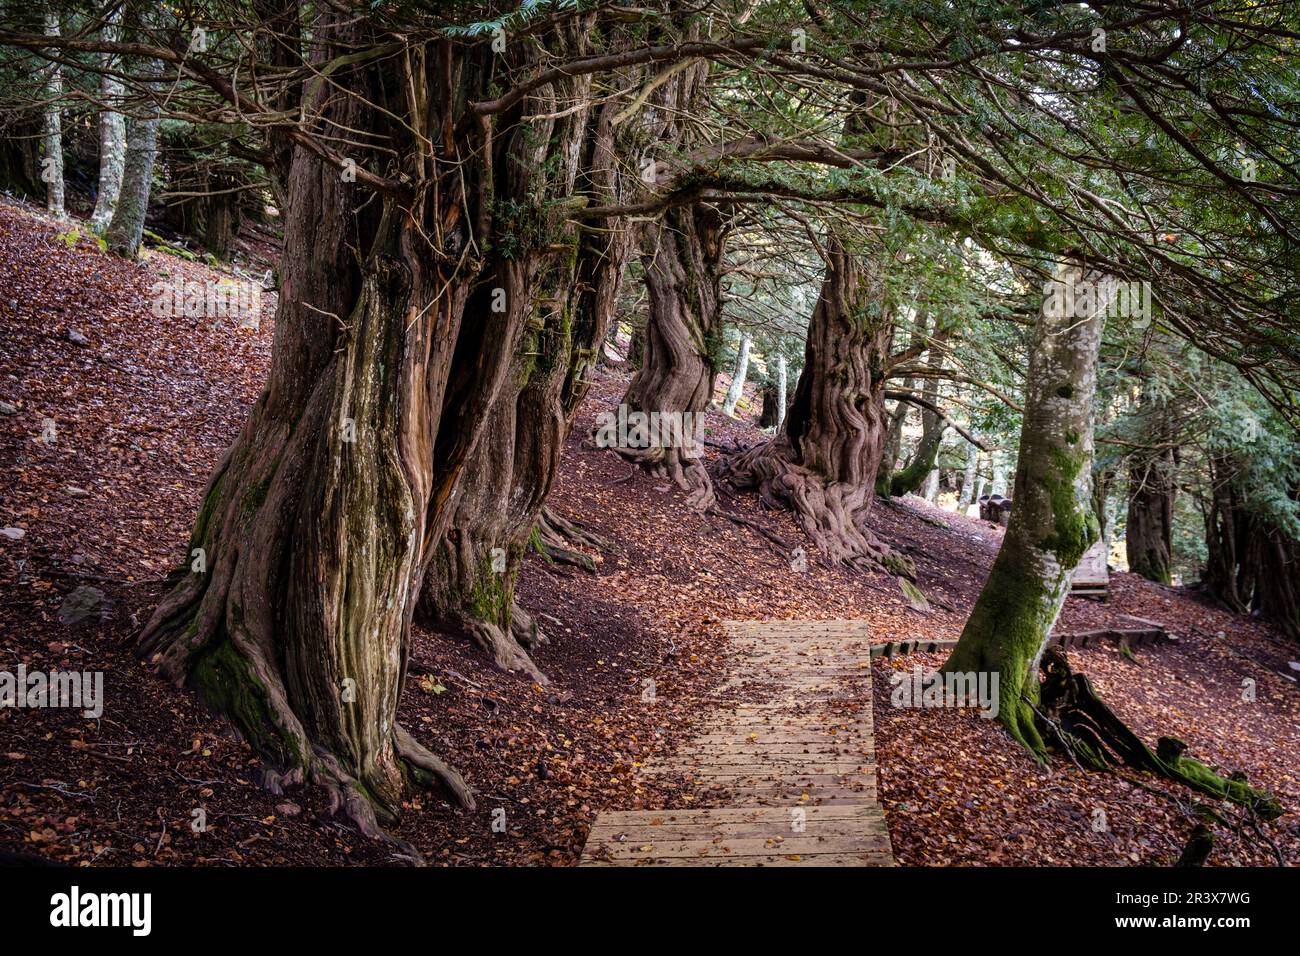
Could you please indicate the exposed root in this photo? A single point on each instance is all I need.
(427, 767)
(559, 539)
(506, 651)
(524, 628)
(832, 514)
(682, 468)
(1076, 721)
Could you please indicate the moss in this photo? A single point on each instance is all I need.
(1074, 526)
(227, 683)
(1004, 634)
(491, 597)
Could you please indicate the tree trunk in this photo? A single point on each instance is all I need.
(967, 497)
(1052, 523)
(322, 520)
(681, 253)
(822, 463)
(126, 228)
(781, 376)
(52, 166)
(1153, 474)
(112, 130)
(1227, 574)
(738, 373)
(499, 501)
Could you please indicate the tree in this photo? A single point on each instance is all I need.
(112, 128)
(52, 166)
(1153, 484)
(822, 463)
(738, 373)
(1052, 523)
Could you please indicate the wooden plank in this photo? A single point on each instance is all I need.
(795, 774)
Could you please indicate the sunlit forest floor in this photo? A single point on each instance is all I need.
(143, 407)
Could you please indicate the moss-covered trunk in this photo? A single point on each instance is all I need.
(1053, 522)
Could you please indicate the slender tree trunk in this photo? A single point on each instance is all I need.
(822, 464)
(52, 166)
(1052, 523)
(967, 497)
(112, 130)
(738, 373)
(126, 228)
(781, 376)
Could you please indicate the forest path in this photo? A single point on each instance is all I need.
(790, 759)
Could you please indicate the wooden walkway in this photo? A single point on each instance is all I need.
(788, 760)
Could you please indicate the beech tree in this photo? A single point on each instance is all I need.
(1052, 523)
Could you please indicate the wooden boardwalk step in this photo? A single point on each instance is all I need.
(793, 763)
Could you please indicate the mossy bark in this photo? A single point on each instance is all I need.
(1052, 523)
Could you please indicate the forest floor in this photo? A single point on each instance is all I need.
(101, 504)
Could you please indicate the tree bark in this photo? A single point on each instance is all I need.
(1052, 523)
(681, 252)
(126, 228)
(1153, 484)
(967, 497)
(112, 130)
(322, 520)
(738, 373)
(822, 463)
(52, 166)
(568, 304)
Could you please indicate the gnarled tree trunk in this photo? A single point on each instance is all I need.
(1153, 483)
(470, 587)
(681, 252)
(822, 463)
(321, 522)
(1052, 523)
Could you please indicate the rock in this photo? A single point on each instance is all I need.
(76, 492)
(81, 604)
(914, 595)
(8, 408)
(76, 338)
(13, 533)
(288, 809)
(1294, 665)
